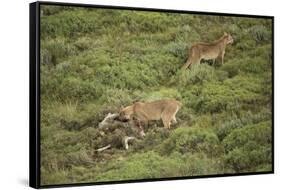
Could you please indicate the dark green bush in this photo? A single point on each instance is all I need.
(162, 93)
(260, 33)
(68, 23)
(151, 165)
(252, 65)
(230, 95)
(195, 76)
(51, 10)
(232, 67)
(248, 147)
(54, 50)
(178, 49)
(141, 166)
(191, 140)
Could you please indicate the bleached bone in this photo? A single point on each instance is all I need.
(142, 133)
(104, 148)
(126, 140)
(108, 117)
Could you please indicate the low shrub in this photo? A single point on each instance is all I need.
(162, 93)
(177, 49)
(69, 24)
(198, 75)
(260, 33)
(253, 65)
(54, 50)
(232, 67)
(230, 95)
(191, 140)
(151, 165)
(141, 166)
(248, 147)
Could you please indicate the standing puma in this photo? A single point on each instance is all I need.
(212, 50)
(164, 110)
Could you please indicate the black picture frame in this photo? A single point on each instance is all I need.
(34, 92)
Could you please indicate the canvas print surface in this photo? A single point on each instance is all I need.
(130, 95)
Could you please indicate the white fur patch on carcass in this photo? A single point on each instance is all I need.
(108, 119)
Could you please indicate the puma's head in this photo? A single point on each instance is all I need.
(228, 38)
(125, 113)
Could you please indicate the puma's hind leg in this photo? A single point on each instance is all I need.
(192, 61)
(166, 123)
(187, 64)
(169, 116)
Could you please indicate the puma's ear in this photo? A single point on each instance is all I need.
(225, 34)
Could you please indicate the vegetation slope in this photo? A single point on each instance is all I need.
(94, 61)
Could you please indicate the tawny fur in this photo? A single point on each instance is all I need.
(208, 51)
(165, 110)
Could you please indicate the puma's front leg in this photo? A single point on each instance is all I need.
(222, 57)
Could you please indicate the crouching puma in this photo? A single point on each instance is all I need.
(165, 110)
(208, 51)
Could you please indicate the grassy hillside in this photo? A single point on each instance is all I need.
(95, 61)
